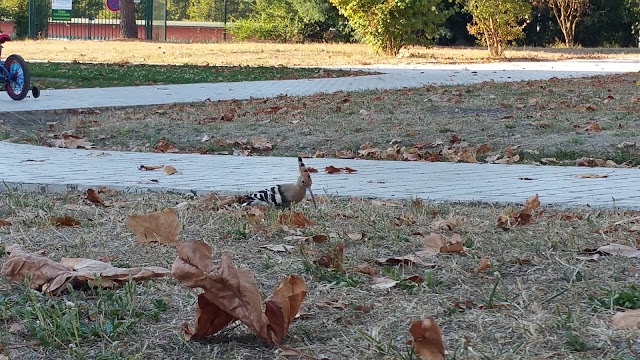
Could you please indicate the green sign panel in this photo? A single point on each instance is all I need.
(60, 15)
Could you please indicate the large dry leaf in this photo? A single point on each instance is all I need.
(93, 197)
(629, 319)
(52, 277)
(617, 249)
(437, 243)
(161, 226)
(427, 339)
(232, 294)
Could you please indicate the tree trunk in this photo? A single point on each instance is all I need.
(128, 27)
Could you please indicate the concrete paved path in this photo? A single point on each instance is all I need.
(46, 169)
(394, 77)
(50, 169)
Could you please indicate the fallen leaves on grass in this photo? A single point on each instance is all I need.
(278, 248)
(594, 162)
(334, 258)
(5, 222)
(483, 265)
(295, 219)
(365, 269)
(165, 146)
(448, 224)
(231, 294)
(427, 339)
(629, 319)
(411, 259)
(610, 249)
(93, 197)
(436, 243)
(52, 277)
(592, 127)
(382, 283)
(65, 220)
(524, 217)
(160, 226)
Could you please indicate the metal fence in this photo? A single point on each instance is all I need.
(84, 19)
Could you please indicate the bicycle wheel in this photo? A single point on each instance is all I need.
(19, 79)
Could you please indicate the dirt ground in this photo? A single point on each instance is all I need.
(270, 54)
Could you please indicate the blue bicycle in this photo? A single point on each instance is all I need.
(14, 75)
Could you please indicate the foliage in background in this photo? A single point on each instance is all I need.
(567, 14)
(496, 22)
(609, 23)
(291, 21)
(387, 26)
(18, 10)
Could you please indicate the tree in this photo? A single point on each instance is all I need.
(497, 22)
(567, 13)
(128, 27)
(388, 25)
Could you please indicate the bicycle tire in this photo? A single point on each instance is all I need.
(19, 78)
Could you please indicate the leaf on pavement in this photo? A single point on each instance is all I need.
(160, 226)
(427, 339)
(150, 167)
(232, 294)
(170, 170)
(52, 277)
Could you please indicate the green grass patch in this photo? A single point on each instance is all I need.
(54, 75)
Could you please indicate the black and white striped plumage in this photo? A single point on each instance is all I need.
(285, 194)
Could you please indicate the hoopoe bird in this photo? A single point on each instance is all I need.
(285, 194)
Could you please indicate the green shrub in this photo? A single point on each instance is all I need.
(388, 25)
(496, 22)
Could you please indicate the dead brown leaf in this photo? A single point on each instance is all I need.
(170, 170)
(333, 258)
(150, 167)
(629, 319)
(365, 269)
(5, 222)
(483, 149)
(411, 259)
(93, 197)
(164, 146)
(319, 238)
(65, 220)
(52, 277)
(483, 264)
(592, 176)
(427, 339)
(232, 294)
(332, 169)
(436, 243)
(448, 224)
(295, 219)
(160, 226)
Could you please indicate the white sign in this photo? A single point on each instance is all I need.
(62, 4)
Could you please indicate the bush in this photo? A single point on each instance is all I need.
(291, 21)
(388, 25)
(18, 10)
(497, 22)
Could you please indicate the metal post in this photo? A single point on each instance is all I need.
(29, 30)
(224, 31)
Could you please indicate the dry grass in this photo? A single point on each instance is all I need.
(544, 118)
(269, 54)
(545, 310)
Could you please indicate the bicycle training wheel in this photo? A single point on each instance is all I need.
(19, 80)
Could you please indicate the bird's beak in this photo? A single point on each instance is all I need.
(313, 199)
